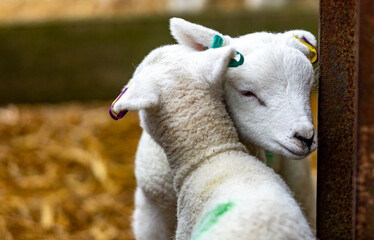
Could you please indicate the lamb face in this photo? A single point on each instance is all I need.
(268, 97)
(276, 93)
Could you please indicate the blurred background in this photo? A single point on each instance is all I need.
(66, 168)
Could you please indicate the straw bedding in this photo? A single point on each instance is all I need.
(66, 172)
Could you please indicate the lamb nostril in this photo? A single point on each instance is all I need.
(307, 142)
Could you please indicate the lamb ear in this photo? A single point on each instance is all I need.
(302, 40)
(136, 96)
(215, 63)
(193, 35)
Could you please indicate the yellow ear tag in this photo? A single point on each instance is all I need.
(115, 100)
(310, 47)
(121, 114)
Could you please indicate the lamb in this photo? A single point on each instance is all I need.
(155, 200)
(223, 193)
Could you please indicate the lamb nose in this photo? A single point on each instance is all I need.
(307, 142)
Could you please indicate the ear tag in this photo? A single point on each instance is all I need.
(234, 63)
(311, 48)
(218, 42)
(121, 114)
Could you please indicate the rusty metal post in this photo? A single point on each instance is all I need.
(365, 140)
(345, 203)
(336, 119)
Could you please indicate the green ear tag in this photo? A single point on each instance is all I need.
(234, 63)
(218, 42)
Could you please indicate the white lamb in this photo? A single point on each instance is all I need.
(273, 127)
(223, 193)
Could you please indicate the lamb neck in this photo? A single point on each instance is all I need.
(192, 126)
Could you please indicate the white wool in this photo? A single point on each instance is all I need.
(154, 219)
(182, 109)
(254, 126)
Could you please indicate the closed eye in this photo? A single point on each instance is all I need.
(251, 94)
(248, 94)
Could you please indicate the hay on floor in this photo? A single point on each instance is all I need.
(66, 172)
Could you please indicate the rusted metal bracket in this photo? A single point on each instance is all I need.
(345, 198)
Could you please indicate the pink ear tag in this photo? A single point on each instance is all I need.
(121, 114)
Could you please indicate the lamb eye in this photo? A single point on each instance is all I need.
(248, 94)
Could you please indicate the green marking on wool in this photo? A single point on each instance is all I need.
(269, 158)
(211, 218)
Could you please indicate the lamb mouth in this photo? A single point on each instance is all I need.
(298, 155)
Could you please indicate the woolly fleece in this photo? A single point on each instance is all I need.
(152, 171)
(181, 107)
